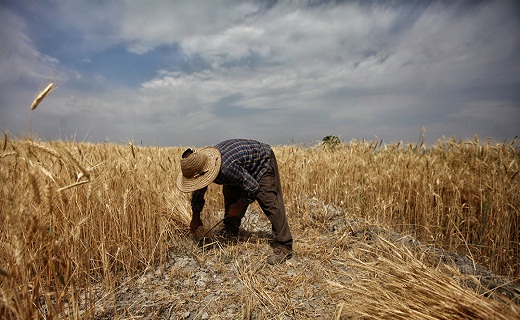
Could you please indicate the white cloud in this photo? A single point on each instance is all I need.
(447, 48)
(19, 59)
(179, 21)
(345, 62)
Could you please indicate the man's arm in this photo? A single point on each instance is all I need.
(197, 204)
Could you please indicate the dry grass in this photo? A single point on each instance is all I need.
(77, 217)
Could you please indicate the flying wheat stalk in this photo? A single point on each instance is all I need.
(41, 96)
(37, 101)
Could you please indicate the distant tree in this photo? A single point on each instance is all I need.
(331, 141)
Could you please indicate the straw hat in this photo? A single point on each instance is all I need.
(198, 168)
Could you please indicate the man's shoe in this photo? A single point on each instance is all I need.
(280, 254)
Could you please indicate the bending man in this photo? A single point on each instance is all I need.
(248, 171)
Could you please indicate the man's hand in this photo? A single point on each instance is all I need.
(236, 209)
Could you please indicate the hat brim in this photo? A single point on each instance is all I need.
(212, 168)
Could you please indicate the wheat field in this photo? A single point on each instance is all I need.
(79, 218)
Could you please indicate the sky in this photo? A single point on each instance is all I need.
(194, 73)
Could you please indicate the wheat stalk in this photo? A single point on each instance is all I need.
(41, 96)
(35, 187)
(5, 141)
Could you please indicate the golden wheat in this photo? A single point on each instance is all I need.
(122, 215)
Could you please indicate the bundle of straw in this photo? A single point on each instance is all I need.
(398, 285)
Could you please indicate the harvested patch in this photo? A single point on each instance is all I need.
(354, 270)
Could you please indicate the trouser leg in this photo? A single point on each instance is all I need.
(231, 195)
(270, 199)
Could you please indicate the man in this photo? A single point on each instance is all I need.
(248, 171)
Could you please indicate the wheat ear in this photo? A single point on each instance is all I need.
(41, 96)
(45, 149)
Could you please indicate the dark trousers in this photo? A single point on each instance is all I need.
(270, 200)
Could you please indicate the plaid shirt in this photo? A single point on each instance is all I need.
(244, 162)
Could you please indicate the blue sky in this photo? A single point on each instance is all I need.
(198, 72)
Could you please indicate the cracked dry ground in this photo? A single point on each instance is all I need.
(231, 280)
